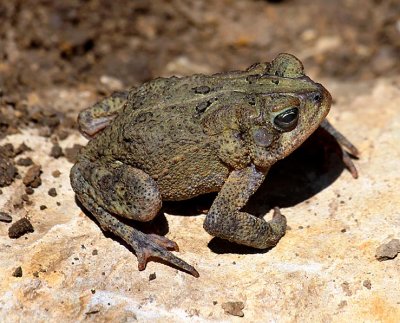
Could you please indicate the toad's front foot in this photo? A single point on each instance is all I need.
(226, 220)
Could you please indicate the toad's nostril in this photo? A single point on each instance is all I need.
(317, 97)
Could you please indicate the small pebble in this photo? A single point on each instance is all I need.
(367, 284)
(388, 250)
(32, 177)
(5, 217)
(17, 272)
(52, 192)
(233, 308)
(29, 190)
(24, 161)
(56, 173)
(22, 148)
(20, 228)
(56, 151)
(62, 134)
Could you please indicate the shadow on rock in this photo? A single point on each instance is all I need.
(221, 246)
(197, 205)
(307, 171)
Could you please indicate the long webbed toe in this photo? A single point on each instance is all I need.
(156, 247)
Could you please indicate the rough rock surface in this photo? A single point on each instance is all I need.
(72, 272)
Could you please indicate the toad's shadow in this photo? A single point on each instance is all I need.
(304, 173)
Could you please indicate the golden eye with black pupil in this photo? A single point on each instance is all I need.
(287, 120)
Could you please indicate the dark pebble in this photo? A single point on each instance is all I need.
(52, 192)
(24, 161)
(20, 228)
(56, 151)
(17, 272)
(5, 217)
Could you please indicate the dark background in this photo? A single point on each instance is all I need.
(46, 43)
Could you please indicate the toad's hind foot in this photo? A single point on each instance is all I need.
(163, 242)
(150, 247)
(344, 144)
(146, 246)
(121, 190)
(349, 163)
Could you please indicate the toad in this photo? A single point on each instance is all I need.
(172, 139)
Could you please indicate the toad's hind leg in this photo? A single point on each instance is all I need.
(117, 189)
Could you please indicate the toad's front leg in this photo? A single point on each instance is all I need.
(226, 220)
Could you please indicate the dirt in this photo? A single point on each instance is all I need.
(25, 162)
(388, 250)
(20, 228)
(17, 272)
(56, 151)
(72, 152)
(233, 308)
(32, 176)
(52, 192)
(5, 217)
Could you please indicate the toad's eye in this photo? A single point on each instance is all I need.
(287, 120)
